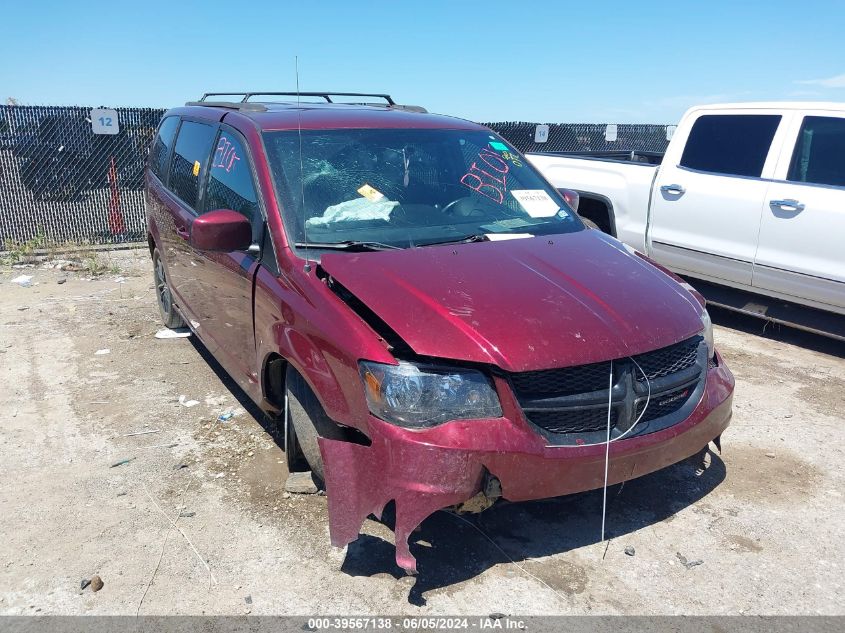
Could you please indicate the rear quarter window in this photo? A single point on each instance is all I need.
(731, 144)
(819, 155)
(190, 157)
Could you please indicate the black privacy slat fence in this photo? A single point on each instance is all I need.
(62, 184)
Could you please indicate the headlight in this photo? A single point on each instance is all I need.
(707, 333)
(419, 396)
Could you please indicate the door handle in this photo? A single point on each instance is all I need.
(675, 190)
(181, 232)
(787, 205)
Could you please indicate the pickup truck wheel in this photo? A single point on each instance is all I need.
(309, 421)
(164, 297)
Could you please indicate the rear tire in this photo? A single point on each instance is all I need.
(305, 415)
(164, 297)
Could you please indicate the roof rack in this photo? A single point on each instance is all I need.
(256, 106)
(325, 95)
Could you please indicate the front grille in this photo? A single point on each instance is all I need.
(562, 382)
(665, 404)
(569, 404)
(574, 420)
(668, 360)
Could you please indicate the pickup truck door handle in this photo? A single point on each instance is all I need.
(675, 190)
(182, 232)
(787, 205)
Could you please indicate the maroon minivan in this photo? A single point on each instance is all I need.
(430, 317)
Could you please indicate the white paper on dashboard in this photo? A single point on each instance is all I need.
(536, 202)
(498, 237)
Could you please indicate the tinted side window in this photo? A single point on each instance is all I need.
(819, 155)
(230, 184)
(734, 144)
(193, 147)
(160, 151)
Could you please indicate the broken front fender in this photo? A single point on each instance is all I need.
(425, 471)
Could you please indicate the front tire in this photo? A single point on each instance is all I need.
(164, 297)
(309, 421)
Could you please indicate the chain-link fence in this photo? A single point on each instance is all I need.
(62, 183)
(586, 137)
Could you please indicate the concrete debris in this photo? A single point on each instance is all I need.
(689, 564)
(301, 484)
(630, 551)
(96, 583)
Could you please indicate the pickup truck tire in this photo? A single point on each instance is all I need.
(309, 421)
(169, 315)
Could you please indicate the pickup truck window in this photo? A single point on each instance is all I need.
(160, 152)
(193, 147)
(407, 187)
(819, 151)
(730, 144)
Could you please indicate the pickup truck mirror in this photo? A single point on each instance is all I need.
(221, 230)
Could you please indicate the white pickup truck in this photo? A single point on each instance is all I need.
(747, 198)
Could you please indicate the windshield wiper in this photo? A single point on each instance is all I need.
(350, 245)
(467, 239)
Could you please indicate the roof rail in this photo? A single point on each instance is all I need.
(325, 95)
(257, 106)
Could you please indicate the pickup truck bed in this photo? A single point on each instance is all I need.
(747, 197)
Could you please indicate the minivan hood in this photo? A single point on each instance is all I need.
(522, 304)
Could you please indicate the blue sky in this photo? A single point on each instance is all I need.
(591, 61)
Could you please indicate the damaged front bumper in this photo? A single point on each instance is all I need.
(423, 471)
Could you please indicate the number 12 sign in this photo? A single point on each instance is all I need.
(104, 121)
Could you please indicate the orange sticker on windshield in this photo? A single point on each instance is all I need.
(371, 193)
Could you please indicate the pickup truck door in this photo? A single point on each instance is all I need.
(707, 197)
(801, 250)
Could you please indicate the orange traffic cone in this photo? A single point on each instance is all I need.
(116, 224)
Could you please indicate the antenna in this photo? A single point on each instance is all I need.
(301, 169)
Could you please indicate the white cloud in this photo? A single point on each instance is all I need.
(831, 82)
(803, 93)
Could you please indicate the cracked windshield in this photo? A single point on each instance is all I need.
(400, 188)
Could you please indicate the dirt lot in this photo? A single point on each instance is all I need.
(766, 517)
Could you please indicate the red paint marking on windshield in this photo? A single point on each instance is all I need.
(489, 185)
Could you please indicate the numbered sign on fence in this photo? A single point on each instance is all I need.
(104, 121)
(541, 134)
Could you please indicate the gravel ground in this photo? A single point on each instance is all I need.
(765, 519)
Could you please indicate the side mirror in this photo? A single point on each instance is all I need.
(572, 198)
(222, 230)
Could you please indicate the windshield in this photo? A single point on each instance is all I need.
(405, 188)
